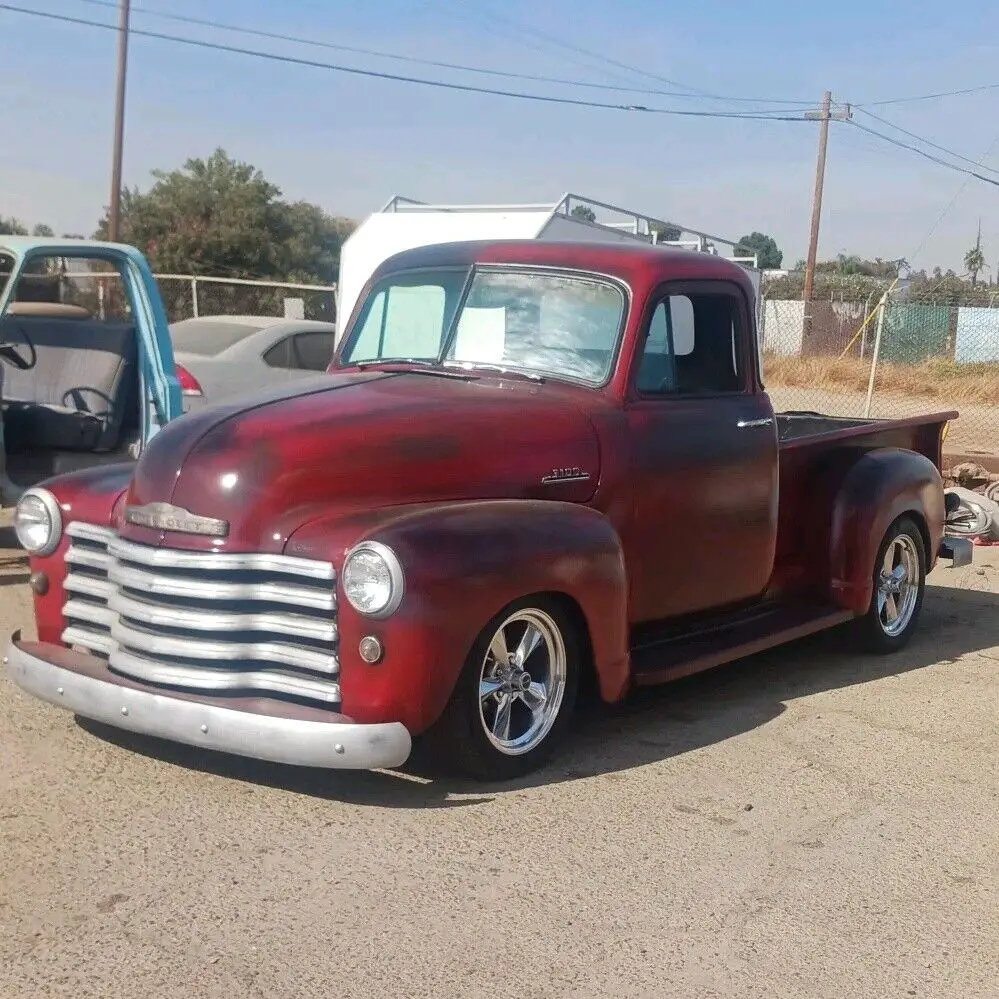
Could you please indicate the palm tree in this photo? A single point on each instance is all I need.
(974, 259)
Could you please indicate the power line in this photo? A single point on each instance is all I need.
(950, 204)
(399, 78)
(923, 153)
(599, 56)
(416, 60)
(930, 97)
(926, 142)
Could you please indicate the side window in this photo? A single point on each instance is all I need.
(691, 347)
(312, 351)
(279, 356)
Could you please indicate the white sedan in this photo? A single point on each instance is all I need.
(222, 356)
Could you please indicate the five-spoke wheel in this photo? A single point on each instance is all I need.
(515, 695)
(899, 583)
(522, 681)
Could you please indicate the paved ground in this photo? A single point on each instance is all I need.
(804, 824)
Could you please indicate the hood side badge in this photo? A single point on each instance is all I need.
(558, 475)
(167, 517)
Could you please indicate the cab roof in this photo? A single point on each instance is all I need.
(625, 261)
(23, 245)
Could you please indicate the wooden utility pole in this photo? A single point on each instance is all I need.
(824, 115)
(820, 175)
(114, 211)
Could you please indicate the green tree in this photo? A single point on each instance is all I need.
(665, 232)
(12, 227)
(42, 231)
(217, 216)
(584, 212)
(769, 255)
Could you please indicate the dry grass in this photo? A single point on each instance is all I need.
(933, 379)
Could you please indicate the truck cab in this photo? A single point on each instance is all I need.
(533, 469)
(86, 366)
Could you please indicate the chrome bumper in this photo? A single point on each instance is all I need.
(93, 691)
(960, 551)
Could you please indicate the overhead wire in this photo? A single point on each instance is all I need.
(601, 57)
(416, 60)
(571, 47)
(930, 97)
(922, 139)
(401, 78)
(953, 201)
(923, 153)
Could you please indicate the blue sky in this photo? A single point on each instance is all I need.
(349, 143)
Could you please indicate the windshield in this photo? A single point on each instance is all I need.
(564, 326)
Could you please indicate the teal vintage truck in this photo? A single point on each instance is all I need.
(87, 374)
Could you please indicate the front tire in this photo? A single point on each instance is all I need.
(515, 695)
(899, 586)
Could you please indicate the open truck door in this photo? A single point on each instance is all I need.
(87, 373)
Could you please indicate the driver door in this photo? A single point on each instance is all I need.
(705, 456)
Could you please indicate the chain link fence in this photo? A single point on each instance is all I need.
(97, 287)
(887, 358)
(186, 296)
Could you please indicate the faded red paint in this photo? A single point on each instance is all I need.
(682, 513)
(90, 495)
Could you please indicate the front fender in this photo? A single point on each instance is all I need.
(463, 563)
(877, 489)
(92, 496)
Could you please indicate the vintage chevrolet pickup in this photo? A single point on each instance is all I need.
(533, 468)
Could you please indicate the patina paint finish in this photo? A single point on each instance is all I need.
(490, 487)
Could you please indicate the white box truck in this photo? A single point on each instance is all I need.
(403, 224)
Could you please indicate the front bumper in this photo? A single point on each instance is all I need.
(260, 728)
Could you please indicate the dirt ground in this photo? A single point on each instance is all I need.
(802, 824)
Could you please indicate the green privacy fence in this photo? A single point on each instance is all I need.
(912, 334)
(928, 359)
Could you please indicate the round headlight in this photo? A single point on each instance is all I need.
(372, 579)
(38, 522)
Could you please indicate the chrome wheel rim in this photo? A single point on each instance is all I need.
(522, 682)
(898, 585)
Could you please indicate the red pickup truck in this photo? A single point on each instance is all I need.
(532, 467)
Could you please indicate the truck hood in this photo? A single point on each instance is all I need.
(360, 441)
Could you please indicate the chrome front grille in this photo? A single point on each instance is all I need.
(217, 622)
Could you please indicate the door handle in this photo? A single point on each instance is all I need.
(765, 421)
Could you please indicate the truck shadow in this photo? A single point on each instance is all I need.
(13, 559)
(652, 726)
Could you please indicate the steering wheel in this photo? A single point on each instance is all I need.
(10, 354)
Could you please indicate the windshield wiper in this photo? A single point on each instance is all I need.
(422, 365)
(422, 361)
(477, 365)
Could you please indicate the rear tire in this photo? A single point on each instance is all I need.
(899, 578)
(514, 697)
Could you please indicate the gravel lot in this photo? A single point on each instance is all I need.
(804, 823)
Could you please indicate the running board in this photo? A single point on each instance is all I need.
(656, 662)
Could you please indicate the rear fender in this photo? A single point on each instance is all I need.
(878, 488)
(464, 562)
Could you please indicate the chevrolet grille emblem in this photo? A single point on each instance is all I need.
(167, 517)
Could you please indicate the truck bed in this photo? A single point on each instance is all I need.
(804, 428)
(810, 445)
